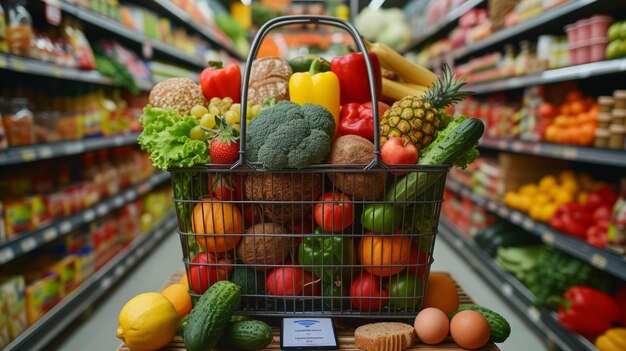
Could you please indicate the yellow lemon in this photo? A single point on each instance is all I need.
(563, 197)
(567, 174)
(547, 182)
(147, 322)
(528, 190)
(570, 185)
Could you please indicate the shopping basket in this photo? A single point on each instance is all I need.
(265, 241)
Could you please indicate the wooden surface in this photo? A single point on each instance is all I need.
(345, 337)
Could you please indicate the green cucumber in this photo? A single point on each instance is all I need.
(248, 280)
(303, 63)
(182, 324)
(246, 335)
(446, 151)
(211, 315)
(500, 328)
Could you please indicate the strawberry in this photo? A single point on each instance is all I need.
(224, 147)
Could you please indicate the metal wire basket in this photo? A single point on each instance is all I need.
(264, 239)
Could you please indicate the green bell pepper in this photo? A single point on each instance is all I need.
(325, 256)
(382, 218)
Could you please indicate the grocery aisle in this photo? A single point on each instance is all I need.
(96, 331)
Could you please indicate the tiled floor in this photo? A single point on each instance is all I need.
(97, 330)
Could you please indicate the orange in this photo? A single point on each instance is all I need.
(179, 297)
(222, 221)
(577, 107)
(550, 132)
(441, 293)
(183, 281)
(384, 255)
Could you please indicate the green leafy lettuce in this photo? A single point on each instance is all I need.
(165, 137)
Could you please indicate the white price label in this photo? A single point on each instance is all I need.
(458, 243)
(118, 201)
(503, 211)
(102, 209)
(507, 289)
(130, 195)
(502, 144)
(598, 261)
(119, 270)
(570, 153)
(118, 140)
(534, 314)
(50, 234)
(45, 152)
(6, 255)
(548, 238)
(89, 215)
(65, 227)
(517, 146)
(28, 244)
(141, 251)
(516, 218)
(528, 224)
(106, 282)
(74, 148)
(492, 206)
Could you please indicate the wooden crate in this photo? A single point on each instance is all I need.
(345, 333)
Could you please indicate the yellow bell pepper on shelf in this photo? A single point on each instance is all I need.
(317, 88)
(612, 340)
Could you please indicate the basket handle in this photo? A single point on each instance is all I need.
(323, 20)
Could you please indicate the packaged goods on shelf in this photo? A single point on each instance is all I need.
(13, 304)
(465, 215)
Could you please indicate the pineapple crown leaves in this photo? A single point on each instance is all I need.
(445, 92)
(223, 132)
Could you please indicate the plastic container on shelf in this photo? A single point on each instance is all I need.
(572, 33)
(19, 123)
(619, 99)
(604, 119)
(602, 138)
(606, 103)
(19, 30)
(616, 136)
(597, 49)
(599, 25)
(584, 30)
(618, 116)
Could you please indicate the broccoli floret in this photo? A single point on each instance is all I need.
(288, 135)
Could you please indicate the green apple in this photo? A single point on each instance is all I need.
(613, 49)
(622, 30)
(614, 31)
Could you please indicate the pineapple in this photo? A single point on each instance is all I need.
(417, 119)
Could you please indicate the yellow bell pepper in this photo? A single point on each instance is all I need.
(316, 88)
(612, 340)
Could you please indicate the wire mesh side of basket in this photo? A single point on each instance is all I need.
(262, 235)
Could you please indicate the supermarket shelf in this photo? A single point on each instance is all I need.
(118, 28)
(512, 290)
(539, 20)
(21, 154)
(601, 259)
(566, 152)
(29, 241)
(39, 68)
(445, 24)
(60, 316)
(552, 76)
(207, 32)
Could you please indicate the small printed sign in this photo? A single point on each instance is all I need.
(308, 334)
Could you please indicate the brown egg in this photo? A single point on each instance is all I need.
(470, 329)
(431, 326)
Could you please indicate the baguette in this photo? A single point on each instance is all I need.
(384, 336)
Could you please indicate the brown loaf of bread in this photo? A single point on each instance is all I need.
(269, 78)
(384, 336)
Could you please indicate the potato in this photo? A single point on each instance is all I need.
(353, 149)
(291, 188)
(262, 246)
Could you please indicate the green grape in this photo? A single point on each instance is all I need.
(214, 109)
(256, 109)
(228, 100)
(215, 100)
(196, 133)
(198, 111)
(235, 107)
(208, 121)
(232, 117)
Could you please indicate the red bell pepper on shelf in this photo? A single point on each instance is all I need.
(572, 219)
(354, 84)
(601, 197)
(598, 234)
(221, 82)
(357, 119)
(588, 311)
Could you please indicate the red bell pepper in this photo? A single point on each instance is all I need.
(216, 81)
(598, 234)
(572, 219)
(601, 197)
(588, 311)
(620, 298)
(357, 119)
(351, 71)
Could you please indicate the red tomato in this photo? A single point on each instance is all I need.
(285, 281)
(312, 285)
(366, 291)
(336, 213)
(418, 257)
(546, 110)
(395, 152)
(205, 270)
